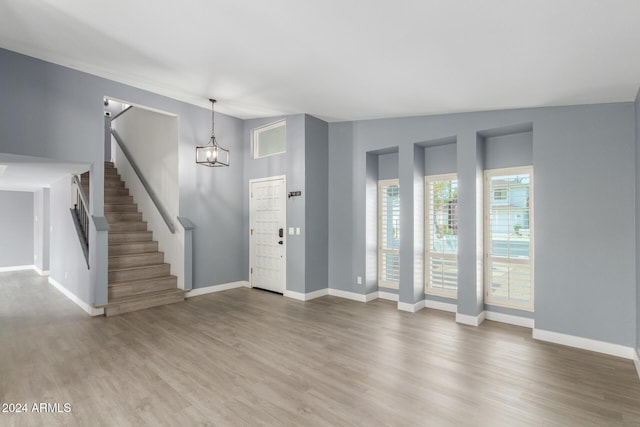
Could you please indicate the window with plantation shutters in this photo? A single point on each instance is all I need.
(441, 235)
(509, 237)
(388, 233)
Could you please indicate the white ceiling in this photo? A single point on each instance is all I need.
(340, 59)
(25, 173)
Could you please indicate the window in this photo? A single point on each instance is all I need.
(509, 237)
(441, 235)
(388, 233)
(270, 139)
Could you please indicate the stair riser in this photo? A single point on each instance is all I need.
(121, 208)
(113, 217)
(128, 226)
(113, 184)
(133, 248)
(139, 273)
(137, 288)
(135, 236)
(139, 260)
(116, 192)
(120, 200)
(141, 305)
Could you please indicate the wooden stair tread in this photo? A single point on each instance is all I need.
(150, 266)
(139, 297)
(148, 280)
(130, 255)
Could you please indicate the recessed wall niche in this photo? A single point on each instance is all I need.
(381, 165)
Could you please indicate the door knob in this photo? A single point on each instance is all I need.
(281, 242)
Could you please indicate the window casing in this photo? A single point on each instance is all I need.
(441, 235)
(508, 237)
(270, 140)
(389, 233)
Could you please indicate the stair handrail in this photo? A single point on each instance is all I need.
(80, 214)
(154, 198)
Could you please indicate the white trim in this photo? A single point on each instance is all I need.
(387, 296)
(41, 272)
(353, 296)
(308, 296)
(83, 305)
(466, 319)
(584, 343)
(216, 288)
(18, 268)
(510, 319)
(411, 308)
(636, 361)
(255, 138)
(439, 305)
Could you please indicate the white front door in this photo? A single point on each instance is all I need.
(267, 244)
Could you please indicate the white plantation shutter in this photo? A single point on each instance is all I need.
(388, 233)
(441, 235)
(509, 237)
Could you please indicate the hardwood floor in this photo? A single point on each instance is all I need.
(247, 357)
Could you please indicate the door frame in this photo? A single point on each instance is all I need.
(251, 249)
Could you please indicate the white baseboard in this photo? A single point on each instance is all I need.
(216, 288)
(308, 296)
(83, 305)
(439, 305)
(17, 268)
(41, 272)
(411, 308)
(388, 296)
(636, 361)
(466, 319)
(510, 319)
(371, 296)
(584, 343)
(352, 295)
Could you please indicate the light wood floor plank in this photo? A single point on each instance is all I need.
(247, 357)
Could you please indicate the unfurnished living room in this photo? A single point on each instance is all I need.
(319, 213)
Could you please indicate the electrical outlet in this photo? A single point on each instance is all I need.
(359, 280)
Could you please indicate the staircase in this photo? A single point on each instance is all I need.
(138, 276)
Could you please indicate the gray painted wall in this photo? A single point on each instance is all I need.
(67, 264)
(41, 229)
(316, 209)
(16, 228)
(440, 159)
(580, 154)
(388, 166)
(637, 199)
(507, 151)
(211, 197)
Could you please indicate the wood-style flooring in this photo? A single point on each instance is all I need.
(247, 357)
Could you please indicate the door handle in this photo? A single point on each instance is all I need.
(281, 233)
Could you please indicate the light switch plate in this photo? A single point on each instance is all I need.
(298, 231)
(291, 230)
(359, 280)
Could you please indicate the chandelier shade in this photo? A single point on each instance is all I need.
(212, 154)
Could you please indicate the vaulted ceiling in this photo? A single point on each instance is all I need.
(343, 60)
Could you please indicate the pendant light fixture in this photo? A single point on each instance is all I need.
(212, 154)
